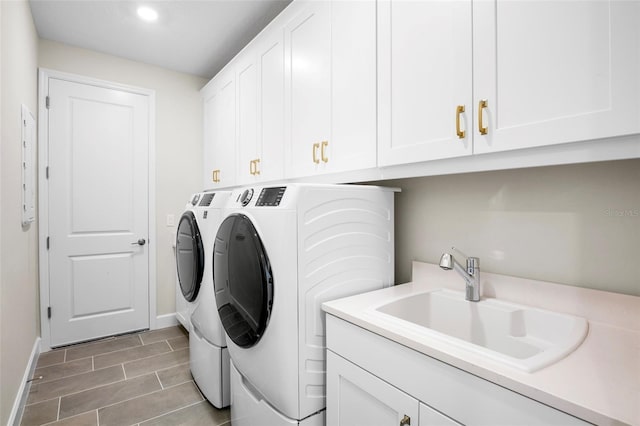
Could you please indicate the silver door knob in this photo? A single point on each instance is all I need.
(140, 242)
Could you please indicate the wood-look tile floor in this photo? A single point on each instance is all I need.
(137, 379)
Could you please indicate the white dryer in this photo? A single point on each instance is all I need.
(281, 252)
(209, 357)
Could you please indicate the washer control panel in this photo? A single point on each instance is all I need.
(270, 197)
(246, 196)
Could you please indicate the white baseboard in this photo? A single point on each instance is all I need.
(164, 321)
(23, 392)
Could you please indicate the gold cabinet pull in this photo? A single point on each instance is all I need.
(406, 421)
(252, 170)
(459, 111)
(315, 152)
(482, 105)
(216, 175)
(322, 151)
(255, 162)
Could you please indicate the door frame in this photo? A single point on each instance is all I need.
(43, 190)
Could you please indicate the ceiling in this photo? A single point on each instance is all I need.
(195, 37)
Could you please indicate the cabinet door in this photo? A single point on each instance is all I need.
(431, 417)
(209, 116)
(308, 85)
(247, 109)
(424, 74)
(220, 132)
(270, 149)
(555, 71)
(352, 145)
(357, 398)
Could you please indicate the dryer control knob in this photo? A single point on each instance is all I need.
(246, 196)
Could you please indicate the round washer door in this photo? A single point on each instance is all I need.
(242, 280)
(189, 256)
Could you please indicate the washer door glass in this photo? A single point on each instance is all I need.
(242, 280)
(189, 256)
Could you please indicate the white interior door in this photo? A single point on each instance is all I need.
(98, 211)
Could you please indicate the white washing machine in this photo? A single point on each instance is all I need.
(209, 357)
(280, 252)
(190, 257)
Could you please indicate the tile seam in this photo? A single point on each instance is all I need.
(151, 393)
(115, 403)
(136, 359)
(173, 411)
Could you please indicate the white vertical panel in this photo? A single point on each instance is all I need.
(28, 176)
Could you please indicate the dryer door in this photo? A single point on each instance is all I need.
(189, 256)
(242, 280)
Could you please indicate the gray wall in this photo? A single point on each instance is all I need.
(575, 224)
(19, 246)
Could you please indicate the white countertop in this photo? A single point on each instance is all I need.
(598, 382)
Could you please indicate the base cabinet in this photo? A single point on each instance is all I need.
(372, 380)
(358, 398)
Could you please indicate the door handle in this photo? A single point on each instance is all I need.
(460, 133)
(140, 242)
(316, 146)
(322, 152)
(481, 128)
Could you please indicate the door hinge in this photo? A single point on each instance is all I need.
(47, 243)
(46, 172)
(47, 102)
(49, 312)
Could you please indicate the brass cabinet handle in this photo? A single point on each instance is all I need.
(252, 170)
(216, 175)
(322, 152)
(406, 421)
(482, 105)
(459, 111)
(255, 162)
(315, 152)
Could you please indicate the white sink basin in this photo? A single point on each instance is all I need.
(523, 337)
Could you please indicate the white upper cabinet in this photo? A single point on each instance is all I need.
(424, 80)
(330, 87)
(555, 71)
(220, 131)
(543, 73)
(347, 85)
(260, 97)
(247, 110)
(270, 50)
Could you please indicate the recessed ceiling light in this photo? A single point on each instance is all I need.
(147, 14)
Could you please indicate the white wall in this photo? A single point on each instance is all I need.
(575, 224)
(178, 138)
(18, 247)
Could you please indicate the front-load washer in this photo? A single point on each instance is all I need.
(190, 261)
(280, 252)
(208, 354)
(195, 303)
